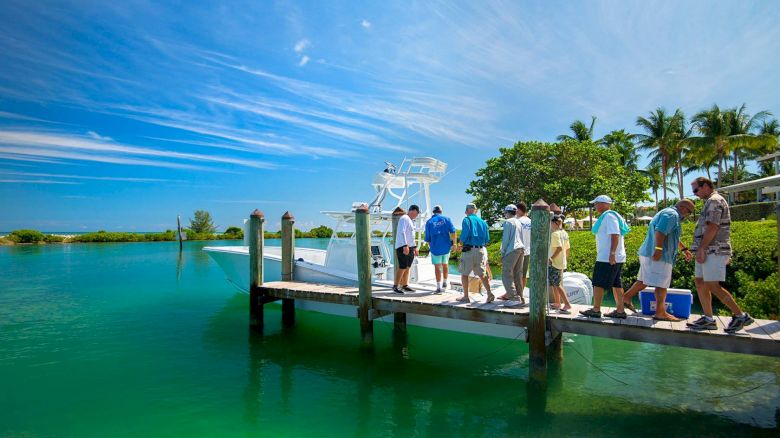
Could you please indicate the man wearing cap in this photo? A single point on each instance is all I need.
(474, 236)
(656, 258)
(405, 250)
(512, 255)
(440, 235)
(525, 221)
(610, 255)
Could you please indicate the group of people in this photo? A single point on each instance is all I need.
(711, 248)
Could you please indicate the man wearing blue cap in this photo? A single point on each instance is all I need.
(610, 256)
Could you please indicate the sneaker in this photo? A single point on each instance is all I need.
(397, 290)
(590, 313)
(616, 314)
(738, 322)
(444, 285)
(702, 324)
(407, 289)
(438, 290)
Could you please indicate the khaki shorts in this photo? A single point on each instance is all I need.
(473, 261)
(655, 273)
(713, 268)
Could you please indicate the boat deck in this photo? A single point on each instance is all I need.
(762, 337)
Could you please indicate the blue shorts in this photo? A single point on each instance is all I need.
(440, 259)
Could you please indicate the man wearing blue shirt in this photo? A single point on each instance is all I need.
(475, 237)
(657, 256)
(440, 235)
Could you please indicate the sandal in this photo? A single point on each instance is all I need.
(616, 314)
(629, 305)
(666, 318)
(590, 313)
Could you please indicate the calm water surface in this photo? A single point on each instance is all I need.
(131, 340)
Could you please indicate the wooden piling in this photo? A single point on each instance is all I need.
(363, 246)
(178, 233)
(777, 217)
(256, 243)
(537, 283)
(399, 319)
(288, 264)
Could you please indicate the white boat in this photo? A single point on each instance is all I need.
(402, 185)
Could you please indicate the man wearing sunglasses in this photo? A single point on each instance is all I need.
(712, 246)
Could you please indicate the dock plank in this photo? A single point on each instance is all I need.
(762, 337)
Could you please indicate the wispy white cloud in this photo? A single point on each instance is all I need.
(304, 60)
(36, 181)
(365, 23)
(301, 45)
(96, 178)
(59, 145)
(97, 136)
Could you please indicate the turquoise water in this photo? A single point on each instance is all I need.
(130, 340)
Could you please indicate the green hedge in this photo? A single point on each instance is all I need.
(749, 275)
(111, 236)
(752, 212)
(26, 236)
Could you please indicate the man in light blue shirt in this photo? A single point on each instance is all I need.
(475, 237)
(440, 235)
(657, 256)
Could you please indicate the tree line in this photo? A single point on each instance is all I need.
(678, 146)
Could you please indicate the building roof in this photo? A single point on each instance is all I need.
(769, 181)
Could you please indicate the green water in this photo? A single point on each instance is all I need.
(129, 340)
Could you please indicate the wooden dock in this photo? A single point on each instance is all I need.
(762, 337)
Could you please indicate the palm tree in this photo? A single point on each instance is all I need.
(769, 128)
(653, 173)
(622, 143)
(721, 131)
(580, 131)
(661, 138)
(744, 142)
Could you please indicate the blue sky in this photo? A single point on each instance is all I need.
(121, 115)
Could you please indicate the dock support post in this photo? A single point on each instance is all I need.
(288, 263)
(256, 243)
(399, 318)
(363, 246)
(537, 283)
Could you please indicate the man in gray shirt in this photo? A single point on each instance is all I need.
(512, 254)
(712, 246)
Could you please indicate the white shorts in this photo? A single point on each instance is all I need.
(713, 268)
(655, 273)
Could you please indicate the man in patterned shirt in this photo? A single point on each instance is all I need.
(712, 246)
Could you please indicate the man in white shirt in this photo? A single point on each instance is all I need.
(405, 250)
(512, 254)
(610, 256)
(525, 236)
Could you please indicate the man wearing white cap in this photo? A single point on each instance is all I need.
(610, 256)
(512, 254)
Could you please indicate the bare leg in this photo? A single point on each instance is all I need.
(464, 279)
(660, 304)
(399, 273)
(617, 292)
(724, 296)
(445, 269)
(405, 280)
(553, 294)
(564, 298)
(598, 295)
(486, 283)
(635, 288)
(437, 269)
(705, 298)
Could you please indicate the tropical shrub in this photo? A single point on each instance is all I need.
(53, 238)
(233, 233)
(26, 236)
